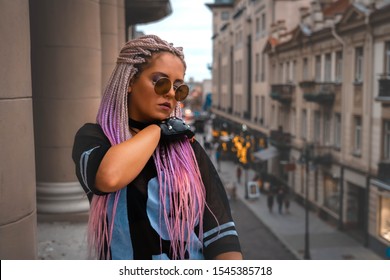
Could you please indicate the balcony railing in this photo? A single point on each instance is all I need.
(280, 139)
(144, 11)
(282, 92)
(321, 93)
(384, 88)
(383, 171)
(322, 155)
(309, 84)
(247, 115)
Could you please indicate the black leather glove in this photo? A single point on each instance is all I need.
(173, 129)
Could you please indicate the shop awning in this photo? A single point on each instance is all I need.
(266, 154)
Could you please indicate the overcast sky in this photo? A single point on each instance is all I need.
(189, 26)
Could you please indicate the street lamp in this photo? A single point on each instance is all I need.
(244, 158)
(308, 156)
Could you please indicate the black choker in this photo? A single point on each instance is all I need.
(137, 124)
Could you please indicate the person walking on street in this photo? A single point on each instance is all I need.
(280, 199)
(218, 158)
(238, 174)
(270, 196)
(287, 200)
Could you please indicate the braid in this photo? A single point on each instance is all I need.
(178, 158)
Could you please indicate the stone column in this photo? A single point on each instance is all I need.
(18, 236)
(66, 72)
(109, 28)
(122, 35)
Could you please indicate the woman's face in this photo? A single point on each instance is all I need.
(144, 104)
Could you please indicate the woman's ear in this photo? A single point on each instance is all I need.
(130, 87)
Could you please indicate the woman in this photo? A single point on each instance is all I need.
(154, 192)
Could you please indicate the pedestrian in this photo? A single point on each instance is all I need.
(287, 200)
(270, 196)
(280, 199)
(270, 201)
(218, 159)
(154, 192)
(238, 174)
(207, 146)
(234, 191)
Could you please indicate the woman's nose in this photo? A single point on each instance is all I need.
(171, 92)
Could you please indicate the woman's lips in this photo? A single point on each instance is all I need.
(165, 106)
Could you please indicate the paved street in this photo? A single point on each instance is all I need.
(257, 241)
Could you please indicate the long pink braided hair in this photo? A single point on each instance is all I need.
(177, 169)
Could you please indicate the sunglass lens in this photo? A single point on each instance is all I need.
(181, 92)
(162, 86)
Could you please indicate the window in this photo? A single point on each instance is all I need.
(304, 124)
(357, 136)
(387, 60)
(317, 127)
(287, 77)
(337, 130)
(292, 122)
(384, 225)
(240, 71)
(339, 67)
(359, 65)
(386, 140)
(238, 38)
(257, 67)
(257, 26)
(305, 69)
(262, 113)
(327, 121)
(294, 69)
(274, 117)
(263, 24)
(284, 121)
(328, 68)
(262, 73)
(280, 74)
(318, 68)
(331, 193)
(274, 74)
(236, 71)
(225, 15)
(257, 104)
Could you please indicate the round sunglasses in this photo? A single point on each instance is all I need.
(163, 85)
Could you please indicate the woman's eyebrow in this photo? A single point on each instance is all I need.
(159, 74)
(179, 80)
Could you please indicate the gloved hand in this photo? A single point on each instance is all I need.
(174, 129)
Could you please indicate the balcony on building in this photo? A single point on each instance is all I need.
(280, 139)
(384, 88)
(383, 171)
(283, 93)
(322, 93)
(322, 155)
(307, 84)
(146, 11)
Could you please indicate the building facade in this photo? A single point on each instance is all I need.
(317, 85)
(56, 56)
